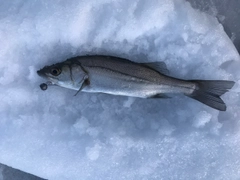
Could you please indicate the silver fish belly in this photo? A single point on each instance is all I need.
(117, 76)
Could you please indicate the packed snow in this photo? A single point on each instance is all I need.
(56, 135)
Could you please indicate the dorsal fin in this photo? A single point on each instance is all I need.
(158, 66)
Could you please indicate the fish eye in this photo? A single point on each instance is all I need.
(55, 71)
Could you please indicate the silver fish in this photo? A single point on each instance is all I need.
(118, 76)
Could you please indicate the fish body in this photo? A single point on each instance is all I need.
(118, 76)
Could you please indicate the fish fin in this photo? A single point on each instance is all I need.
(158, 66)
(85, 83)
(209, 92)
(160, 96)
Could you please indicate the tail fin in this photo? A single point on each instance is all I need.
(209, 92)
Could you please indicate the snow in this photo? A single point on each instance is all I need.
(56, 135)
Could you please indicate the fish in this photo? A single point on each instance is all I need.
(119, 76)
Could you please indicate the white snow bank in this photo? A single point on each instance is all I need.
(56, 135)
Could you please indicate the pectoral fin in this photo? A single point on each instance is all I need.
(85, 82)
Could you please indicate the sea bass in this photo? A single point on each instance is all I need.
(118, 76)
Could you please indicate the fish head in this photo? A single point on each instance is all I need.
(62, 74)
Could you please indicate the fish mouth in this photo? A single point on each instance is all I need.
(45, 85)
(41, 73)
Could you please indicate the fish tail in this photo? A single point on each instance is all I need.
(209, 92)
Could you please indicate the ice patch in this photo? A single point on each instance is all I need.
(201, 119)
(129, 102)
(93, 153)
(165, 128)
(56, 135)
(82, 125)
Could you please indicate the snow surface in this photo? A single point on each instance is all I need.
(56, 135)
